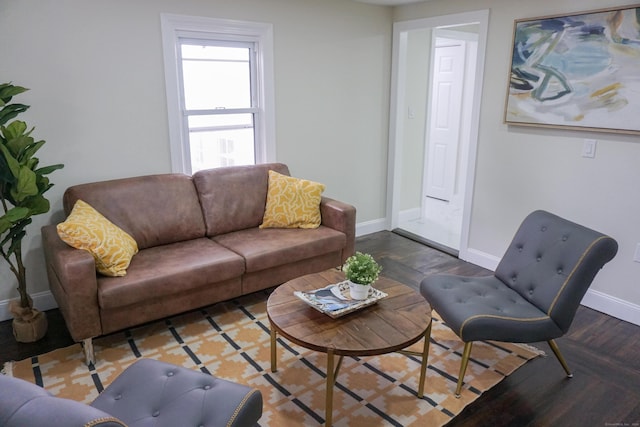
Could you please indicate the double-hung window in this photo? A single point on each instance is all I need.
(219, 92)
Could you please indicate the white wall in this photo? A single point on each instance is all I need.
(522, 169)
(97, 94)
(95, 70)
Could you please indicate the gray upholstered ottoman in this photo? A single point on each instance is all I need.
(147, 393)
(154, 393)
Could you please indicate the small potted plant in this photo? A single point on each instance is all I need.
(361, 270)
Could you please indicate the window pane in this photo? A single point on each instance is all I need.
(216, 77)
(214, 149)
(215, 53)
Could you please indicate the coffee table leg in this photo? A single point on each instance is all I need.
(330, 382)
(425, 358)
(274, 367)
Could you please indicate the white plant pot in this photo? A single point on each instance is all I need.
(358, 291)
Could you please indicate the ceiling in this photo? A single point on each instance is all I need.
(390, 2)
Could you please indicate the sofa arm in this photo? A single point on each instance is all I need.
(73, 283)
(342, 217)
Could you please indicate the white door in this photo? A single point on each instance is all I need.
(444, 127)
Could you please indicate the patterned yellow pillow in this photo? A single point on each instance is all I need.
(87, 229)
(292, 203)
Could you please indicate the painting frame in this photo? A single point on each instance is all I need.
(578, 71)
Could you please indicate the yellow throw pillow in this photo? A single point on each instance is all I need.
(87, 229)
(292, 203)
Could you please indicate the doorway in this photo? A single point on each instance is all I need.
(436, 91)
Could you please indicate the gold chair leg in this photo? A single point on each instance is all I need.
(556, 351)
(463, 366)
(425, 358)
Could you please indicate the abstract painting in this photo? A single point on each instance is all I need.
(579, 71)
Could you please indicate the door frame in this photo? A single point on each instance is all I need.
(396, 128)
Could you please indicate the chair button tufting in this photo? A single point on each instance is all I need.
(118, 397)
(544, 228)
(169, 374)
(564, 238)
(155, 414)
(539, 259)
(207, 387)
(559, 271)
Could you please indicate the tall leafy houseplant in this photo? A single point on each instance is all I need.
(22, 185)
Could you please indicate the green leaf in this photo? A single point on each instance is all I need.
(31, 151)
(37, 205)
(46, 170)
(15, 129)
(12, 216)
(8, 91)
(16, 214)
(11, 161)
(18, 145)
(5, 173)
(31, 163)
(26, 185)
(17, 238)
(10, 111)
(5, 224)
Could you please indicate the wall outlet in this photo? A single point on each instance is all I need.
(636, 257)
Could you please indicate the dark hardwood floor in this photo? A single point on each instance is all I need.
(603, 353)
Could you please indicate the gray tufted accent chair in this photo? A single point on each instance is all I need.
(148, 393)
(535, 290)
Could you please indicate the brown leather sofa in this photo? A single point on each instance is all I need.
(199, 243)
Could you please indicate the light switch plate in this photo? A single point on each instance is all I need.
(589, 148)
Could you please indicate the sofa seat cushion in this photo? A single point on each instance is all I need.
(166, 270)
(271, 247)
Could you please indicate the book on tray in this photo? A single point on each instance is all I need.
(334, 299)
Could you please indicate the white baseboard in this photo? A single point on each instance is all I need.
(610, 305)
(596, 300)
(370, 227)
(42, 301)
(45, 301)
(479, 258)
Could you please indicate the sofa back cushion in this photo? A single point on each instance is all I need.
(154, 209)
(234, 198)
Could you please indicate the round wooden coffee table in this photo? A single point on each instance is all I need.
(391, 325)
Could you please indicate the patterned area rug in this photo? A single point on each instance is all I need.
(231, 340)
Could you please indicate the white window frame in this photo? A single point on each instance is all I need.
(175, 27)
